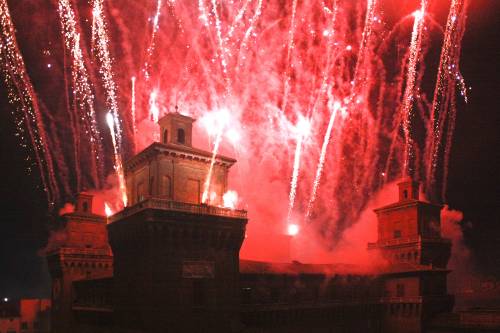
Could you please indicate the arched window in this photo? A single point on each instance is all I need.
(165, 136)
(181, 136)
(405, 194)
(85, 206)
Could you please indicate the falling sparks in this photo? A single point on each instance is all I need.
(21, 95)
(290, 48)
(303, 128)
(132, 109)
(221, 123)
(151, 48)
(319, 170)
(118, 161)
(266, 62)
(416, 41)
(105, 68)
(82, 87)
(443, 104)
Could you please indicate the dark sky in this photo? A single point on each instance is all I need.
(474, 179)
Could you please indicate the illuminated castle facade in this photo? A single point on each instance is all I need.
(172, 263)
(415, 282)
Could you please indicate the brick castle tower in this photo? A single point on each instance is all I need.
(79, 251)
(414, 284)
(176, 259)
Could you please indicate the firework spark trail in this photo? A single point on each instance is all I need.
(288, 65)
(154, 111)
(118, 160)
(277, 51)
(203, 12)
(371, 6)
(444, 92)
(208, 180)
(453, 108)
(156, 20)
(223, 52)
(237, 20)
(415, 46)
(222, 121)
(75, 128)
(105, 67)
(132, 110)
(330, 33)
(303, 128)
(255, 17)
(82, 87)
(321, 162)
(21, 94)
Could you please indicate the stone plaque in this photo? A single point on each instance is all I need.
(198, 269)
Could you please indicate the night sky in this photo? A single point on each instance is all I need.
(474, 180)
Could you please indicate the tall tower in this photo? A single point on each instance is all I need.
(78, 251)
(176, 260)
(409, 238)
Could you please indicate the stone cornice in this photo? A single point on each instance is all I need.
(405, 204)
(177, 151)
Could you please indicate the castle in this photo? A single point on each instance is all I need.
(170, 263)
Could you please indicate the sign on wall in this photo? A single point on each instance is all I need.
(198, 269)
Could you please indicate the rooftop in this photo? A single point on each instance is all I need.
(406, 203)
(178, 150)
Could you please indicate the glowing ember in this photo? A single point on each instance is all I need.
(107, 210)
(154, 111)
(230, 199)
(293, 229)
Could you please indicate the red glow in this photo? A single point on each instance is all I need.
(261, 79)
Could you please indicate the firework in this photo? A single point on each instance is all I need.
(132, 109)
(416, 40)
(21, 95)
(107, 210)
(149, 53)
(343, 66)
(230, 199)
(443, 104)
(303, 128)
(105, 68)
(222, 121)
(321, 162)
(154, 111)
(118, 161)
(82, 88)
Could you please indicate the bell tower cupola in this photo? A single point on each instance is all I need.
(176, 128)
(84, 203)
(408, 190)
